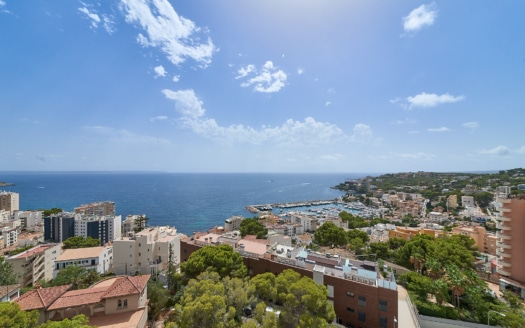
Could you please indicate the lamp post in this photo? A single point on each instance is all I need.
(488, 316)
(395, 321)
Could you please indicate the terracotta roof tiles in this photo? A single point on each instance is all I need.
(41, 297)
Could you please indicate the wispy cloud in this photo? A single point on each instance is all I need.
(267, 79)
(496, 151)
(300, 71)
(470, 125)
(176, 36)
(441, 129)
(308, 132)
(422, 16)
(106, 21)
(158, 118)
(430, 100)
(49, 157)
(405, 121)
(159, 71)
(328, 103)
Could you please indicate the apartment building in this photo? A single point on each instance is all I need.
(61, 226)
(9, 201)
(99, 259)
(361, 298)
(36, 263)
(511, 244)
(409, 233)
(114, 302)
(30, 219)
(467, 201)
(233, 223)
(452, 202)
(9, 236)
(147, 251)
(96, 209)
(486, 243)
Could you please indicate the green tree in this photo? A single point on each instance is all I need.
(7, 274)
(54, 210)
(77, 276)
(141, 223)
(12, 316)
(483, 199)
(330, 235)
(81, 242)
(252, 226)
(264, 285)
(78, 321)
(158, 298)
(380, 250)
(221, 259)
(356, 233)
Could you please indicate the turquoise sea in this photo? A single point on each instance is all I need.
(189, 202)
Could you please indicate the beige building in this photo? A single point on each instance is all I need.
(452, 201)
(96, 209)
(36, 263)
(511, 245)
(233, 223)
(9, 201)
(114, 302)
(99, 259)
(146, 251)
(486, 243)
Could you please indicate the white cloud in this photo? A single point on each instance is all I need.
(267, 79)
(308, 132)
(159, 71)
(405, 121)
(431, 100)
(2, 3)
(521, 150)
(422, 16)
(106, 20)
(328, 103)
(95, 20)
(175, 35)
(441, 129)
(158, 118)
(300, 71)
(470, 125)
(496, 151)
(362, 133)
(176, 78)
(414, 132)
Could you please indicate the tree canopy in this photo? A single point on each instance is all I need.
(221, 259)
(78, 321)
(7, 275)
(330, 235)
(12, 316)
(252, 226)
(81, 242)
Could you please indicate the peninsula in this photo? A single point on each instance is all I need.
(6, 184)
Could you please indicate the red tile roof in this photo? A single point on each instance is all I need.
(127, 286)
(78, 297)
(41, 298)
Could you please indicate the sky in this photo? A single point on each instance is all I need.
(296, 86)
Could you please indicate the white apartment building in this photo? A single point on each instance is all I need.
(10, 236)
(146, 252)
(99, 259)
(36, 263)
(106, 228)
(467, 201)
(9, 201)
(30, 219)
(4, 216)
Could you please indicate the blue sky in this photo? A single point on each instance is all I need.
(262, 85)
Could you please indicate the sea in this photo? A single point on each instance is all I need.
(187, 201)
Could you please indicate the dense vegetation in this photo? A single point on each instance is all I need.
(81, 242)
(252, 226)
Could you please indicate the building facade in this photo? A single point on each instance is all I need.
(99, 259)
(96, 209)
(36, 263)
(146, 252)
(511, 244)
(9, 201)
(59, 227)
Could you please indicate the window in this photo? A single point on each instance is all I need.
(382, 322)
(382, 305)
(362, 316)
(119, 304)
(350, 309)
(362, 301)
(126, 303)
(349, 294)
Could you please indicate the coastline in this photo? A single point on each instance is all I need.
(6, 184)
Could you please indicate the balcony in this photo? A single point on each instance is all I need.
(503, 219)
(504, 237)
(500, 252)
(503, 272)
